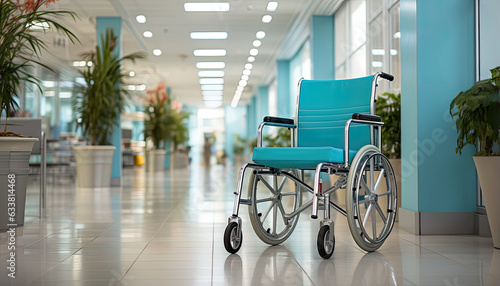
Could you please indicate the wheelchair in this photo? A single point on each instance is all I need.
(335, 132)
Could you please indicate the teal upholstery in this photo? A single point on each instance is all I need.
(324, 106)
(298, 157)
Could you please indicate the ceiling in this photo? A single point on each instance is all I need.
(171, 27)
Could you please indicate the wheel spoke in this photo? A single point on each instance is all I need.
(364, 185)
(264, 200)
(367, 214)
(283, 181)
(275, 218)
(374, 224)
(374, 191)
(264, 216)
(380, 211)
(267, 185)
(282, 210)
(288, 194)
(385, 194)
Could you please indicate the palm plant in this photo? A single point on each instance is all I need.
(100, 102)
(21, 25)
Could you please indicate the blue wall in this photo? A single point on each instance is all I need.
(437, 62)
(322, 47)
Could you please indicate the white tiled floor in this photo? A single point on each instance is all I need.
(166, 229)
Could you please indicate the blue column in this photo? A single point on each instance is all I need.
(437, 62)
(283, 88)
(102, 24)
(263, 102)
(235, 123)
(322, 48)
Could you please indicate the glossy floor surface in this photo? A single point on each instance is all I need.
(167, 229)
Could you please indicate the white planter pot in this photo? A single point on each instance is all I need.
(488, 172)
(93, 166)
(15, 154)
(179, 160)
(155, 160)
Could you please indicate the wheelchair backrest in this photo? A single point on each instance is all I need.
(323, 108)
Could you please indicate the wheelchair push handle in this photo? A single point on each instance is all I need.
(387, 76)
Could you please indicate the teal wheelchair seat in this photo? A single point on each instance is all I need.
(306, 158)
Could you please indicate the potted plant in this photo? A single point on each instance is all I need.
(179, 135)
(388, 107)
(22, 25)
(156, 127)
(477, 113)
(98, 107)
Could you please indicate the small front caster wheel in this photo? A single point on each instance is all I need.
(232, 242)
(325, 245)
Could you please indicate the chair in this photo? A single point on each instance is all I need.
(335, 131)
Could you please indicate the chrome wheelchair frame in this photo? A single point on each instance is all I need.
(357, 177)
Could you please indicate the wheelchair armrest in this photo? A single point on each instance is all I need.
(281, 120)
(366, 117)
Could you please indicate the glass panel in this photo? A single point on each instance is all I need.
(358, 63)
(341, 35)
(375, 5)
(377, 53)
(395, 51)
(65, 96)
(358, 25)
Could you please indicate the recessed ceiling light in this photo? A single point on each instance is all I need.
(240, 88)
(257, 43)
(212, 93)
(211, 73)
(207, 7)
(260, 34)
(208, 35)
(211, 81)
(247, 72)
(209, 52)
(243, 83)
(210, 65)
(244, 77)
(212, 97)
(251, 59)
(157, 52)
(148, 34)
(272, 6)
(254, 52)
(212, 87)
(131, 73)
(248, 66)
(140, 19)
(267, 19)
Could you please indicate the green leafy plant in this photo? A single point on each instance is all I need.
(100, 102)
(388, 107)
(164, 122)
(22, 23)
(478, 115)
(239, 144)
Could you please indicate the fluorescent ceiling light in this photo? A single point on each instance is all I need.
(207, 7)
(213, 104)
(157, 52)
(212, 97)
(267, 19)
(247, 72)
(243, 83)
(141, 87)
(212, 93)
(140, 19)
(272, 6)
(254, 52)
(208, 35)
(248, 66)
(211, 73)
(394, 52)
(397, 35)
(148, 34)
(236, 98)
(260, 34)
(240, 88)
(378, 52)
(35, 25)
(212, 87)
(210, 65)
(244, 77)
(210, 52)
(251, 59)
(257, 43)
(376, 64)
(211, 81)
